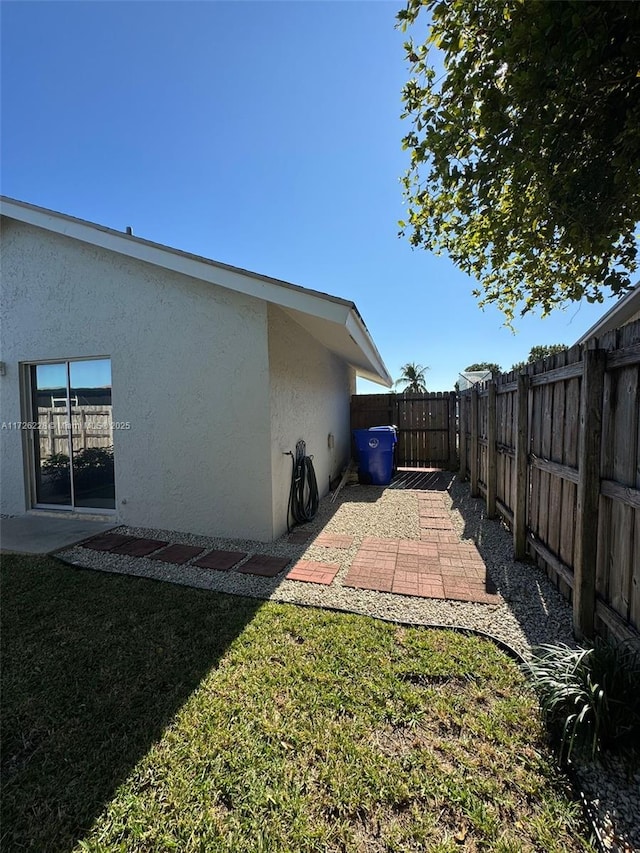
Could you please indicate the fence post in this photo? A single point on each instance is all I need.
(462, 428)
(473, 450)
(453, 451)
(492, 450)
(584, 574)
(522, 462)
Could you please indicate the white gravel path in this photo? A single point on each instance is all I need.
(533, 611)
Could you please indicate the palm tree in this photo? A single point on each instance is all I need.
(412, 376)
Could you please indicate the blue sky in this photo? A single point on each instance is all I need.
(262, 134)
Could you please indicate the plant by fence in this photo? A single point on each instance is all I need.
(555, 450)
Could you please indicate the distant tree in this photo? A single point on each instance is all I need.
(525, 148)
(538, 352)
(485, 365)
(412, 377)
(543, 350)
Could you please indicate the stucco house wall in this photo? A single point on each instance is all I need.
(216, 370)
(190, 372)
(310, 391)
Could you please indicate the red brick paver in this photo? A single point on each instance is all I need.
(266, 567)
(220, 561)
(428, 568)
(299, 537)
(312, 571)
(333, 540)
(429, 511)
(139, 547)
(177, 554)
(440, 523)
(106, 541)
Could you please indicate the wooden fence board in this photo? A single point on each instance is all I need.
(546, 479)
(634, 603)
(423, 422)
(576, 487)
(556, 454)
(570, 459)
(624, 470)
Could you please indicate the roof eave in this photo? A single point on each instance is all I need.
(331, 309)
(616, 316)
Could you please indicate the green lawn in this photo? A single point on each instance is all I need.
(140, 716)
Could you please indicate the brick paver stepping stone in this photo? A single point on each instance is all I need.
(313, 571)
(460, 590)
(439, 566)
(440, 523)
(106, 541)
(373, 543)
(221, 561)
(177, 554)
(266, 567)
(333, 540)
(434, 512)
(428, 534)
(365, 579)
(422, 585)
(139, 547)
(299, 537)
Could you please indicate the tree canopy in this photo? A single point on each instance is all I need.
(525, 152)
(485, 365)
(412, 376)
(538, 352)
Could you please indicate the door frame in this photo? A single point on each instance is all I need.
(29, 439)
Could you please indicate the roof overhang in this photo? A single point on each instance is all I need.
(334, 322)
(622, 312)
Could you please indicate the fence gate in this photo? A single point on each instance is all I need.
(426, 425)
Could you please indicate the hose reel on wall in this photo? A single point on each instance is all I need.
(303, 496)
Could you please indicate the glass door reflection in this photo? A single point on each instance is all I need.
(91, 433)
(73, 443)
(50, 405)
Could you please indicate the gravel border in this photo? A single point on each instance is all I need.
(532, 612)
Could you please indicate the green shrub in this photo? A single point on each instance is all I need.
(590, 697)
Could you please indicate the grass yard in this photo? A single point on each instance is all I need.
(141, 716)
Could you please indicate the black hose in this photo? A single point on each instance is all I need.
(303, 497)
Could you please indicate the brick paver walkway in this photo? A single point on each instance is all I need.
(438, 565)
(428, 568)
(312, 571)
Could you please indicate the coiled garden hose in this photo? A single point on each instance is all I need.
(303, 497)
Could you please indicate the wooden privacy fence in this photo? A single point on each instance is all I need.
(91, 427)
(426, 425)
(556, 451)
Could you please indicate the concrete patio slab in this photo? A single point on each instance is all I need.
(43, 534)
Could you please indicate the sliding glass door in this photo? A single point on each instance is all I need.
(73, 442)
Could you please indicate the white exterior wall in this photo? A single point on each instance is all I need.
(310, 394)
(189, 370)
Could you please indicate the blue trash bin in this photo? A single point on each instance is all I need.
(375, 448)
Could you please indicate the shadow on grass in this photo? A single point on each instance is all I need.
(94, 668)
